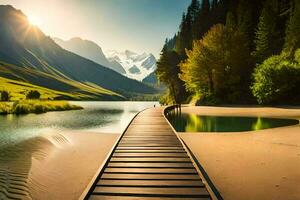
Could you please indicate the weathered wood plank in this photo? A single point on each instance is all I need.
(151, 176)
(105, 197)
(151, 183)
(163, 191)
(152, 165)
(151, 170)
(150, 155)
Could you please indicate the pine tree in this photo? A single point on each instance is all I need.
(292, 40)
(202, 21)
(184, 37)
(266, 36)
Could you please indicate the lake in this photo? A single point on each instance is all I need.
(200, 123)
(40, 153)
(111, 117)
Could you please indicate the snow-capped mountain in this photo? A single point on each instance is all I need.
(137, 66)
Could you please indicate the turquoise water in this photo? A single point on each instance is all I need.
(197, 123)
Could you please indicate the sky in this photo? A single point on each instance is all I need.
(137, 25)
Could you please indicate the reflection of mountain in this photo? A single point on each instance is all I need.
(28, 55)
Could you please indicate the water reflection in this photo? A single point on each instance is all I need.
(196, 123)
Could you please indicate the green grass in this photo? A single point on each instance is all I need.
(16, 79)
(35, 106)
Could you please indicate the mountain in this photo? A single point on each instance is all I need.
(89, 50)
(151, 79)
(137, 66)
(28, 55)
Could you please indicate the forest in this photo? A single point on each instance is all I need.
(234, 52)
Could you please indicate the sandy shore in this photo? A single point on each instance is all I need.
(256, 165)
(55, 165)
(70, 168)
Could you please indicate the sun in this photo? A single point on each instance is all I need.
(34, 21)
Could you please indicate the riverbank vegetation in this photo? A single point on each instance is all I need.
(35, 106)
(234, 52)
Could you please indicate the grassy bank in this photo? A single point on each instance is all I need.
(35, 106)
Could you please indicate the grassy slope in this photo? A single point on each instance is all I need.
(58, 87)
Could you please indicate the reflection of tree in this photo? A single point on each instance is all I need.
(15, 165)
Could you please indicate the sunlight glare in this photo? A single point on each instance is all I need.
(34, 21)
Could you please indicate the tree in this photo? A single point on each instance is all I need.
(218, 65)
(292, 40)
(33, 94)
(184, 36)
(4, 96)
(277, 80)
(167, 72)
(202, 21)
(268, 35)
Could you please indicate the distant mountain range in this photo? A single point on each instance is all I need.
(128, 63)
(137, 66)
(28, 55)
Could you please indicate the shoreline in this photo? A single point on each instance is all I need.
(35, 107)
(250, 165)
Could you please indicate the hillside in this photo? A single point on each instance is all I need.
(89, 50)
(25, 50)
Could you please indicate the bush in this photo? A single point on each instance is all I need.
(4, 96)
(33, 94)
(277, 81)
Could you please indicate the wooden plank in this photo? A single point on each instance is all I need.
(151, 170)
(149, 151)
(150, 148)
(150, 155)
(150, 159)
(176, 192)
(151, 176)
(152, 165)
(105, 197)
(151, 183)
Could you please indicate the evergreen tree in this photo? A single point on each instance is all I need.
(292, 40)
(266, 36)
(202, 20)
(184, 37)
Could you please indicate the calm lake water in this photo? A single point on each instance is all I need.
(26, 146)
(197, 123)
(109, 117)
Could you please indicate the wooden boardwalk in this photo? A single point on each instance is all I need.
(149, 162)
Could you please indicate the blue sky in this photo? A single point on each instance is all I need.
(138, 25)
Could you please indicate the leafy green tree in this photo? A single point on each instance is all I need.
(167, 72)
(277, 80)
(218, 65)
(292, 40)
(4, 96)
(33, 94)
